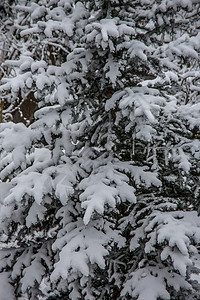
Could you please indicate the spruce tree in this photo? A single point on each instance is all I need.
(100, 193)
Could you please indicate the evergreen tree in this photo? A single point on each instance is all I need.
(100, 193)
